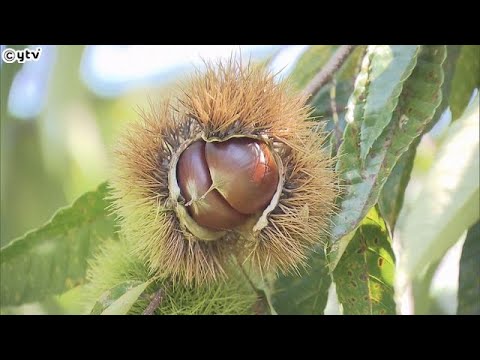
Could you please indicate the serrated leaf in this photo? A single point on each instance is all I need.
(391, 197)
(304, 293)
(453, 52)
(364, 275)
(469, 276)
(110, 296)
(364, 179)
(53, 258)
(448, 202)
(466, 78)
(390, 66)
(123, 296)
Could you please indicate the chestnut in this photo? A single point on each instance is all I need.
(230, 168)
(224, 183)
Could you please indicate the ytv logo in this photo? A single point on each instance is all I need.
(10, 55)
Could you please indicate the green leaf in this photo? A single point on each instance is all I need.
(447, 204)
(466, 78)
(392, 194)
(53, 258)
(109, 301)
(122, 305)
(350, 69)
(322, 101)
(453, 52)
(310, 63)
(316, 56)
(304, 293)
(330, 96)
(364, 275)
(390, 66)
(469, 276)
(330, 103)
(391, 198)
(364, 180)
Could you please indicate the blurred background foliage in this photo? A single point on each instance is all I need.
(61, 115)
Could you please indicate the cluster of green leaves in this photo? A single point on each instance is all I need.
(399, 93)
(377, 108)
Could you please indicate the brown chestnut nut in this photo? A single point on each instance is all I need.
(244, 175)
(244, 172)
(210, 210)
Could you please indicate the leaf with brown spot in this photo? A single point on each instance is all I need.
(373, 291)
(364, 179)
(391, 198)
(304, 294)
(390, 66)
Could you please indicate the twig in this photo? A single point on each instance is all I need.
(333, 105)
(155, 303)
(333, 102)
(327, 72)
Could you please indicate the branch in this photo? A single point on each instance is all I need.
(155, 303)
(327, 72)
(336, 122)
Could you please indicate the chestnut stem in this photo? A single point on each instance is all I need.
(261, 306)
(155, 303)
(327, 72)
(247, 277)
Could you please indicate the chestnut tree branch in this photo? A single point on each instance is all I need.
(155, 303)
(336, 121)
(327, 72)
